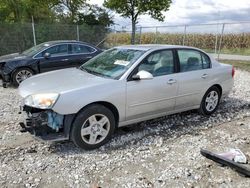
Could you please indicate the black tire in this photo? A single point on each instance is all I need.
(203, 109)
(16, 73)
(82, 119)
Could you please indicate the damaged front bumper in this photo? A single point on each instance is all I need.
(47, 124)
(5, 78)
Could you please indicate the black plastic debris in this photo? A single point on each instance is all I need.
(242, 169)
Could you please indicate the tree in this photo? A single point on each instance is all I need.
(10, 11)
(40, 10)
(95, 15)
(134, 8)
(71, 8)
(23, 10)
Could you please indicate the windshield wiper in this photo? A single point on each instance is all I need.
(86, 70)
(93, 72)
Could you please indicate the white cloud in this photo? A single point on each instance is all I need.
(183, 12)
(96, 2)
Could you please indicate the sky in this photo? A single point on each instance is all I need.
(184, 12)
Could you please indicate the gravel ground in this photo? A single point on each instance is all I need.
(163, 152)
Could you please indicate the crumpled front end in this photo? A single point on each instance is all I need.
(47, 124)
(5, 77)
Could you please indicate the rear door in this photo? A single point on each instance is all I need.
(81, 53)
(155, 96)
(59, 58)
(194, 77)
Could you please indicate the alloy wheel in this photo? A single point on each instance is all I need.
(95, 129)
(23, 75)
(211, 101)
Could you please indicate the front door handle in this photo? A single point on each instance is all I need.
(204, 76)
(171, 81)
(65, 59)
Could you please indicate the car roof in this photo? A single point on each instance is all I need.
(64, 41)
(147, 47)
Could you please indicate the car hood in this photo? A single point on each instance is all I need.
(60, 81)
(12, 57)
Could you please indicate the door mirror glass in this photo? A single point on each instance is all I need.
(46, 55)
(142, 75)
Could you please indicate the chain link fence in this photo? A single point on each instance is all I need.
(17, 37)
(228, 38)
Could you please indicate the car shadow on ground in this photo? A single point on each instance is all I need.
(8, 85)
(168, 127)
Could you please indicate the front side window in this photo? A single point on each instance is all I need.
(159, 63)
(112, 63)
(35, 49)
(57, 50)
(191, 60)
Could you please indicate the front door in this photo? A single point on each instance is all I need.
(157, 95)
(59, 58)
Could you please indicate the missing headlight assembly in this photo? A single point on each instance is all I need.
(47, 124)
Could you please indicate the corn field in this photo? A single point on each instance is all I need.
(230, 43)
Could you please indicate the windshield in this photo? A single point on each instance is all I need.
(112, 63)
(35, 49)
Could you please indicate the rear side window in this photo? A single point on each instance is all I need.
(191, 60)
(90, 49)
(205, 61)
(81, 49)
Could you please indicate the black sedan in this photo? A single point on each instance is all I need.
(53, 55)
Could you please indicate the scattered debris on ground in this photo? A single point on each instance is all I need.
(242, 169)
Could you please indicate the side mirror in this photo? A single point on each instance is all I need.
(142, 75)
(46, 55)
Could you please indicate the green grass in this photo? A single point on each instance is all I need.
(235, 51)
(244, 65)
(238, 51)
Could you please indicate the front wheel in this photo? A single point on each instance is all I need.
(210, 101)
(21, 74)
(93, 127)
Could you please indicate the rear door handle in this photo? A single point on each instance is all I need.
(65, 59)
(204, 76)
(171, 81)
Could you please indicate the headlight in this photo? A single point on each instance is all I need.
(43, 101)
(2, 65)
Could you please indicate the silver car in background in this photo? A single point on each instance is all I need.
(121, 86)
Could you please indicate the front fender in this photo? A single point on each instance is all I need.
(72, 102)
(10, 67)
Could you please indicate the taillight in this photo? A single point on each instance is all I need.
(233, 71)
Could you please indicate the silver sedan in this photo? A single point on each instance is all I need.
(121, 86)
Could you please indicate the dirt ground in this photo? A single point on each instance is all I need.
(163, 152)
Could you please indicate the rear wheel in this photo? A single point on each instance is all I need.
(210, 101)
(93, 127)
(21, 74)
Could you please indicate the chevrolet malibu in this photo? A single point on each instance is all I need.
(122, 86)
